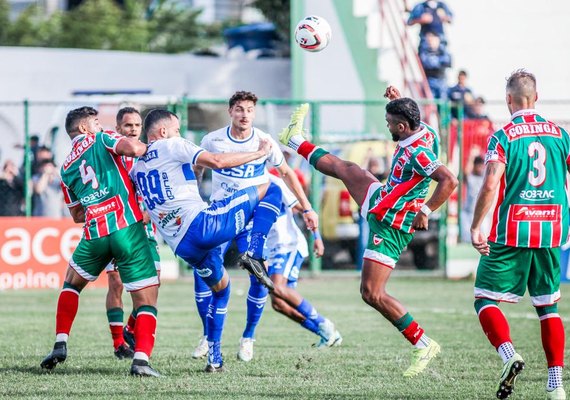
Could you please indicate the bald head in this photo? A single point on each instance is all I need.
(521, 90)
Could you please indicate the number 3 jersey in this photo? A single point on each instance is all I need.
(532, 207)
(94, 176)
(226, 182)
(166, 181)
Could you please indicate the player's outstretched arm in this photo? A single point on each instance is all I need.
(229, 160)
(130, 147)
(446, 184)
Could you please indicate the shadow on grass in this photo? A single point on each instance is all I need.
(36, 370)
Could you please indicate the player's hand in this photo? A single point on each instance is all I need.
(146, 217)
(420, 222)
(318, 247)
(392, 93)
(264, 146)
(479, 242)
(311, 219)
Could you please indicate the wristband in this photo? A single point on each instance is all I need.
(307, 211)
(426, 210)
(317, 235)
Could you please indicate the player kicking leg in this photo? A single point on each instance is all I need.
(398, 201)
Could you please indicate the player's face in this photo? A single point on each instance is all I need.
(395, 126)
(91, 125)
(131, 125)
(242, 114)
(172, 127)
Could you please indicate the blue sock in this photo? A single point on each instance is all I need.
(310, 325)
(256, 298)
(202, 296)
(265, 214)
(310, 313)
(217, 314)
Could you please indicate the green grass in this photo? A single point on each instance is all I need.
(368, 365)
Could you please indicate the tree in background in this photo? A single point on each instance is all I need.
(278, 12)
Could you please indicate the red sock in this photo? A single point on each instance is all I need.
(494, 325)
(552, 333)
(131, 323)
(145, 329)
(117, 335)
(413, 332)
(67, 306)
(305, 149)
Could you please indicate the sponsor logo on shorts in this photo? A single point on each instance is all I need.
(376, 240)
(204, 272)
(536, 195)
(536, 213)
(240, 220)
(111, 205)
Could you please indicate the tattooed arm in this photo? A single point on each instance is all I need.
(493, 174)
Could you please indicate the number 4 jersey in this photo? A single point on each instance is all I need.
(94, 176)
(532, 207)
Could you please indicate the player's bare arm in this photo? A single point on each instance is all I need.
(77, 213)
(309, 215)
(446, 184)
(493, 174)
(230, 160)
(199, 173)
(130, 147)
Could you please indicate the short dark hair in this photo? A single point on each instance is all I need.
(406, 110)
(74, 117)
(521, 81)
(126, 110)
(478, 160)
(462, 72)
(241, 96)
(155, 116)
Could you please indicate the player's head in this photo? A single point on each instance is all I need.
(521, 90)
(403, 118)
(462, 77)
(161, 124)
(242, 110)
(129, 122)
(478, 166)
(82, 120)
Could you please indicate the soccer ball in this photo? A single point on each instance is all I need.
(313, 33)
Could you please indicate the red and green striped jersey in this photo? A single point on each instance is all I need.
(414, 160)
(95, 176)
(532, 207)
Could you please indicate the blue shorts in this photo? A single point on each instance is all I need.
(219, 223)
(288, 265)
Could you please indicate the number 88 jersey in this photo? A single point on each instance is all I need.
(532, 206)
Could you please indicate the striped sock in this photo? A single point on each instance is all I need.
(411, 330)
(217, 314)
(131, 321)
(202, 297)
(67, 306)
(115, 318)
(145, 330)
(311, 152)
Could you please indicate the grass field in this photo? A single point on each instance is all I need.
(368, 365)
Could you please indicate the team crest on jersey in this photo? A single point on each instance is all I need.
(377, 240)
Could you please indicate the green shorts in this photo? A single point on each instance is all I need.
(154, 250)
(507, 271)
(385, 244)
(130, 250)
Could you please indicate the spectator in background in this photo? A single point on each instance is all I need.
(477, 111)
(431, 15)
(435, 60)
(11, 191)
(48, 197)
(461, 94)
(473, 180)
(43, 154)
